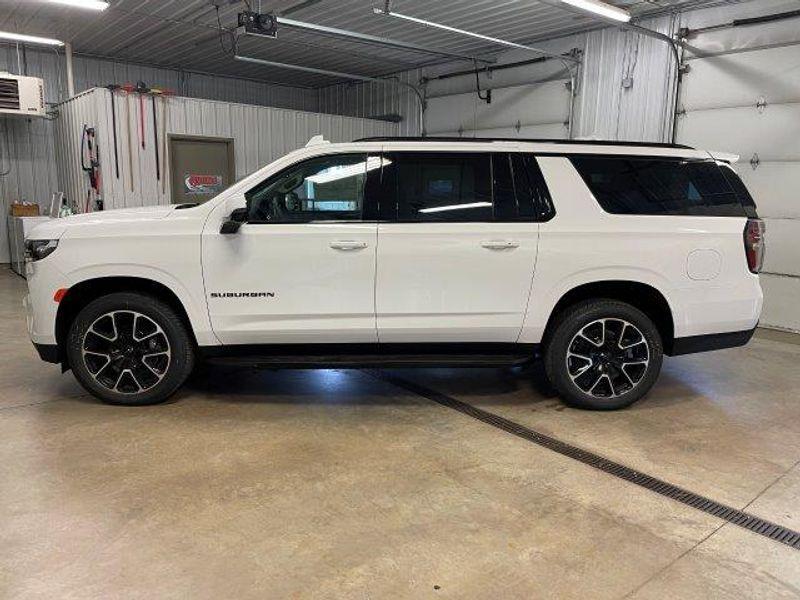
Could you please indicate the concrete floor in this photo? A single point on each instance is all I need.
(312, 484)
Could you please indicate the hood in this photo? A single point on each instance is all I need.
(55, 228)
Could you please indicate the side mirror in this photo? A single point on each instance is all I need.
(236, 219)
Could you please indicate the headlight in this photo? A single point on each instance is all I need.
(39, 249)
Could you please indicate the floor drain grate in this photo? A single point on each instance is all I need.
(755, 524)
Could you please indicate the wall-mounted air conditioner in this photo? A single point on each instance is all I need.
(21, 95)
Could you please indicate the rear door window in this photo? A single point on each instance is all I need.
(438, 186)
(659, 186)
(462, 187)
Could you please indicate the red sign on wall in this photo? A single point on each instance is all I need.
(202, 184)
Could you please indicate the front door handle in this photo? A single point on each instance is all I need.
(348, 245)
(499, 244)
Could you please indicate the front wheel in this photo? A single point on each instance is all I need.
(129, 348)
(603, 355)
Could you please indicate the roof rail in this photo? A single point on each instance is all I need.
(537, 140)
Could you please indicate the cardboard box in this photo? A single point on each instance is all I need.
(24, 210)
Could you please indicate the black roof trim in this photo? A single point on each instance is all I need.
(536, 140)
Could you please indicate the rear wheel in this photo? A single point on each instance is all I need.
(129, 348)
(603, 355)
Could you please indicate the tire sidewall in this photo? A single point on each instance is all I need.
(573, 321)
(181, 349)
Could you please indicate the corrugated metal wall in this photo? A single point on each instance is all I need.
(370, 100)
(260, 135)
(627, 85)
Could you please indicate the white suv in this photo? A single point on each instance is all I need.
(599, 257)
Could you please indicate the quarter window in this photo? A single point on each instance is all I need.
(326, 188)
(659, 186)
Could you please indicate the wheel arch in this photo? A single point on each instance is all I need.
(82, 293)
(643, 296)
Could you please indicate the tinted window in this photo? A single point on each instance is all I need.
(740, 190)
(532, 193)
(434, 186)
(327, 188)
(461, 187)
(505, 197)
(658, 186)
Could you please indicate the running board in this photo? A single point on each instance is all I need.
(372, 360)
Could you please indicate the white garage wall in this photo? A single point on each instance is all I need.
(260, 135)
(742, 95)
(532, 101)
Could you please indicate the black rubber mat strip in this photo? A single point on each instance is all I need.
(732, 515)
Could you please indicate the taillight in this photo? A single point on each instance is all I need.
(754, 244)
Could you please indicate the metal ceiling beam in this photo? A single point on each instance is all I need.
(280, 65)
(390, 13)
(374, 39)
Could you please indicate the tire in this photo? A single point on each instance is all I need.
(610, 375)
(129, 349)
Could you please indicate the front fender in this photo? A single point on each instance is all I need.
(193, 303)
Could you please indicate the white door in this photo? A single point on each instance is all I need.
(302, 269)
(455, 256)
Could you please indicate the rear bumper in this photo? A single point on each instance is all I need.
(711, 341)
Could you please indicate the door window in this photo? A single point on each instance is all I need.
(437, 186)
(326, 188)
(462, 187)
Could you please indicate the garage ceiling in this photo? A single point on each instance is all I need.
(184, 34)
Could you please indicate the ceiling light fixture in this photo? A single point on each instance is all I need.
(29, 39)
(601, 8)
(90, 4)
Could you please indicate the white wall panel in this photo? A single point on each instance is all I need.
(547, 132)
(783, 247)
(542, 104)
(780, 302)
(773, 134)
(775, 187)
(742, 79)
(741, 38)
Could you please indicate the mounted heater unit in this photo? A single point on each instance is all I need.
(263, 24)
(22, 96)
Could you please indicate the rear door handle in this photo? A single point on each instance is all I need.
(348, 245)
(499, 244)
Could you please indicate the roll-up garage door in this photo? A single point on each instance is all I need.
(538, 110)
(748, 103)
